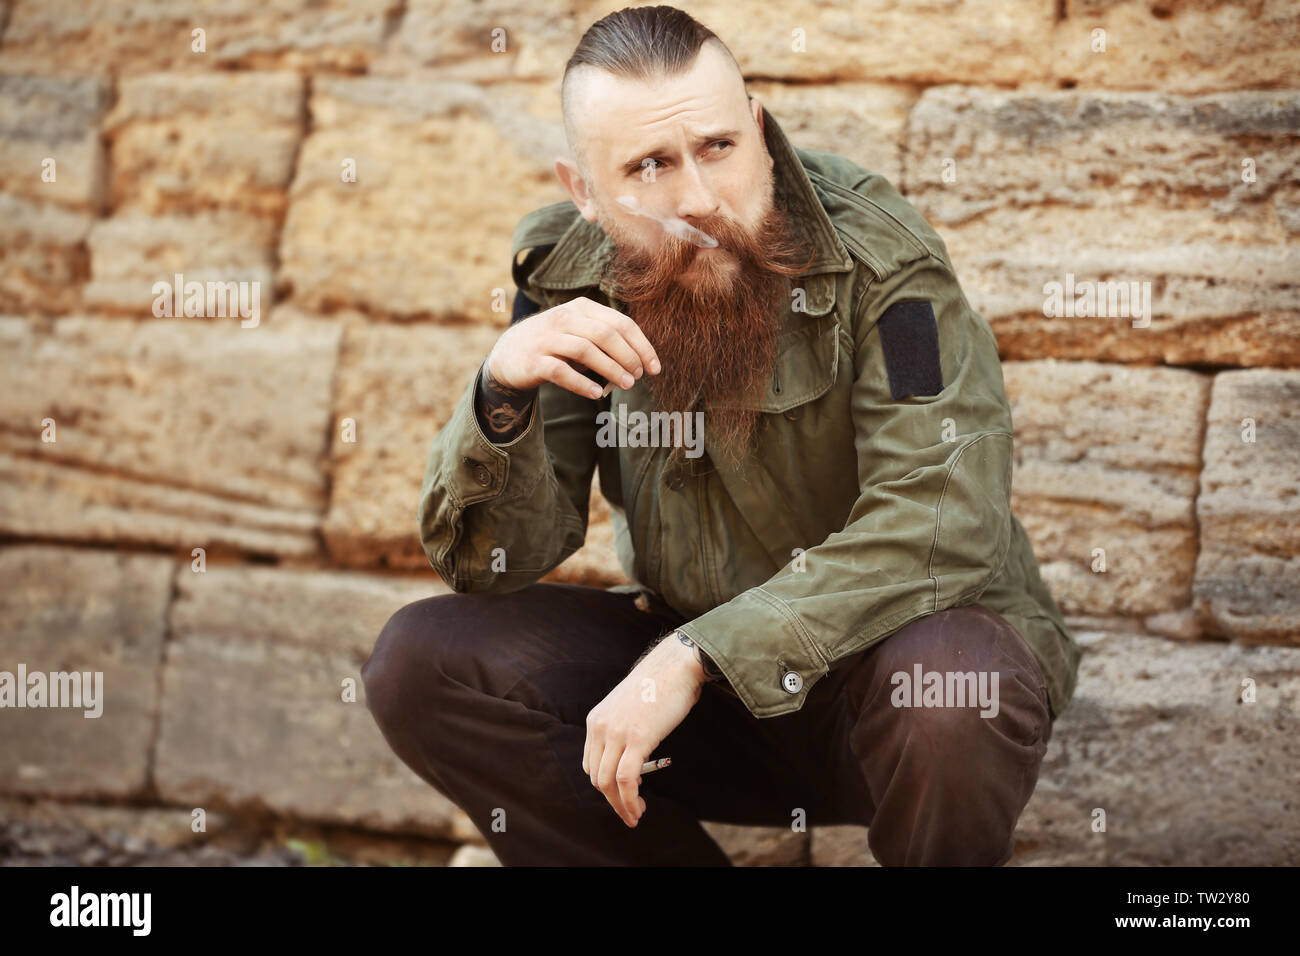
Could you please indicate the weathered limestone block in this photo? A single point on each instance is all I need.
(397, 386)
(864, 122)
(1178, 47)
(1127, 188)
(1107, 456)
(760, 846)
(444, 171)
(181, 433)
(1188, 775)
(62, 833)
(52, 118)
(487, 41)
(85, 611)
(43, 260)
(926, 42)
(186, 143)
(111, 36)
(1248, 570)
(131, 252)
(841, 845)
(253, 714)
(51, 185)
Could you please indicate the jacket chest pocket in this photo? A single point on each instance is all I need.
(805, 367)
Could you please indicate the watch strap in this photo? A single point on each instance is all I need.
(711, 672)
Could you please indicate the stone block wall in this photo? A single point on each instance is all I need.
(1157, 464)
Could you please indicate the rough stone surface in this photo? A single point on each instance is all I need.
(983, 41)
(864, 122)
(184, 144)
(85, 611)
(52, 118)
(398, 385)
(1107, 456)
(1119, 187)
(490, 40)
(1177, 47)
(253, 715)
(841, 845)
(131, 252)
(43, 261)
(1155, 733)
(760, 846)
(1248, 570)
(444, 173)
(177, 433)
(109, 37)
(469, 855)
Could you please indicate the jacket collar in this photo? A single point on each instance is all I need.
(580, 257)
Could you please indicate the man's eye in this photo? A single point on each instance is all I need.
(724, 142)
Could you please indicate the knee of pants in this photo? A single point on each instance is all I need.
(410, 652)
(966, 679)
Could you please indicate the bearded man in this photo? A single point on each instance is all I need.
(834, 616)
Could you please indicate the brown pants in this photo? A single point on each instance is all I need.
(486, 698)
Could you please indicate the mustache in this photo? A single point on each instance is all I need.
(773, 249)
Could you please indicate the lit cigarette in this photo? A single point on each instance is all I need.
(659, 764)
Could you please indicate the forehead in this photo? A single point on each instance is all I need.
(621, 116)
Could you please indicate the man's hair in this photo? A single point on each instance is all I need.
(639, 43)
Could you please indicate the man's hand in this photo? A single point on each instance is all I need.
(545, 346)
(625, 728)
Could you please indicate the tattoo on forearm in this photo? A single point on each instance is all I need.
(502, 409)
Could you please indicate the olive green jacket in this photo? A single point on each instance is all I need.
(857, 513)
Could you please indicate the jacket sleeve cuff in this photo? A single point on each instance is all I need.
(476, 469)
(764, 650)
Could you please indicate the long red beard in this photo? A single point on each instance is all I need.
(716, 337)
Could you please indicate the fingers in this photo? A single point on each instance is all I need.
(615, 771)
(626, 778)
(555, 369)
(600, 347)
(586, 352)
(614, 332)
(596, 336)
(629, 330)
(605, 774)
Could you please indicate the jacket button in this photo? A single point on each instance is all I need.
(793, 413)
(482, 475)
(792, 682)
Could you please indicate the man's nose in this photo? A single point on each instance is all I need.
(698, 200)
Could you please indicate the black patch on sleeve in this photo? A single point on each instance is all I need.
(909, 337)
(525, 306)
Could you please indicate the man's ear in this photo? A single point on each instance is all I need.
(757, 108)
(567, 172)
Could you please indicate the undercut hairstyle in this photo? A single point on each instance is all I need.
(637, 43)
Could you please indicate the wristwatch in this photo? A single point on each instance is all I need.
(711, 672)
